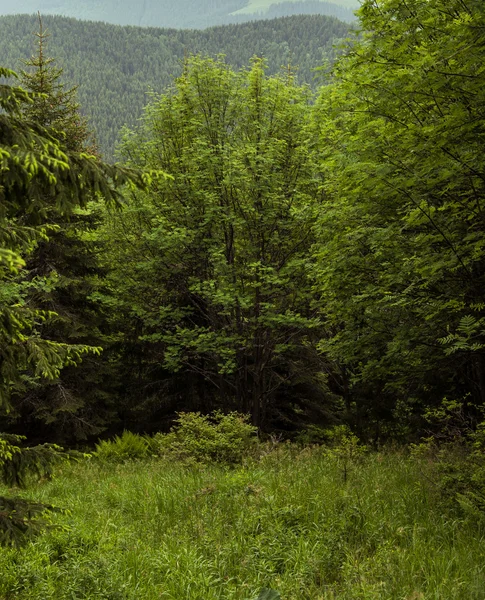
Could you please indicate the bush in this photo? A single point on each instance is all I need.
(218, 437)
(344, 447)
(455, 455)
(128, 446)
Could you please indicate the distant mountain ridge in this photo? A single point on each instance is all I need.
(180, 14)
(115, 66)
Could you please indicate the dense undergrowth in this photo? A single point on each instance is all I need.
(311, 523)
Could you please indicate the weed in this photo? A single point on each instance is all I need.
(159, 529)
(219, 437)
(128, 446)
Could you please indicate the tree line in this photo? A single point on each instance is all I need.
(184, 14)
(114, 66)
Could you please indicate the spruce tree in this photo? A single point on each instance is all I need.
(61, 275)
(35, 172)
(54, 106)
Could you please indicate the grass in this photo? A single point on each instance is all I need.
(161, 530)
(257, 6)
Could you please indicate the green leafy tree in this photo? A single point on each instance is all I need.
(213, 263)
(401, 236)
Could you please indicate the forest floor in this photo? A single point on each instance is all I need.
(302, 522)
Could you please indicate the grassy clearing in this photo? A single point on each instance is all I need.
(158, 529)
(257, 6)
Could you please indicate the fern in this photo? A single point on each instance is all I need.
(128, 446)
(467, 337)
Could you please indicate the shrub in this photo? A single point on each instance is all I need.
(218, 437)
(455, 454)
(128, 446)
(344, 447)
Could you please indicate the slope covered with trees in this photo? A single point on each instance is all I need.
(266, 9)
(115, 66)
(183, 14)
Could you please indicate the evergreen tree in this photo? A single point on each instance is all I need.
(34, 171)
(61, 275)
(54, 106)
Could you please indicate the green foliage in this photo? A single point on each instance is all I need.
(35, 174)
(213, 264)
(312, 434)
(157, 528)
(128, 446)
(457, 474)
(401, 251)
(54, 106)
(18, 463)
(450, 422)
(345, 448)
(21, 518)
(218, 437)
(454, 448)
(59, 276)
(468, 336)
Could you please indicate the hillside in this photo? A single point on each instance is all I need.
(181, 14)
(115, 66)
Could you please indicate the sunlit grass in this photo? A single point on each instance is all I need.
(257, 6)
(157, 529)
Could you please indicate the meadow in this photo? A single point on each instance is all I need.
(257, 6)
(306, 522)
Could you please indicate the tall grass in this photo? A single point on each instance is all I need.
(157, 529)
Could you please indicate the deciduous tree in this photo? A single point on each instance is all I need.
(402, 236)
(214, 261)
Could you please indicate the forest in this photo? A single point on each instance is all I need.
(184, 14)
(247, 360)
(114, 67)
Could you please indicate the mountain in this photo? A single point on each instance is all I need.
(115, 66)
(180, 14)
